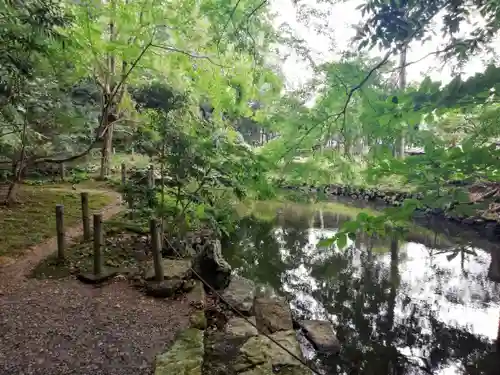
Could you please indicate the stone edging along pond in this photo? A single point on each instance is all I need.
(487, 228)
(241, 329)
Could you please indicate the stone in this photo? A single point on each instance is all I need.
(321, 335)
(221, 352)
(239, 327)
(196, 296)
(240, 294)
(91, 278)
(212, 267)
(163, 289)
(185, 357)
(260, 353)
(172, 269)
(272, 315)
(188, 285)
(198, 320)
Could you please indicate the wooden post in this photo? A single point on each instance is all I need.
(62, 171)
(155, 246)
(124, 174)
(60, 231)
(151, 177)
(98, 244)
(130, 208)
(85, 216)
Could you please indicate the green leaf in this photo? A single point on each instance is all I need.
(341, 240)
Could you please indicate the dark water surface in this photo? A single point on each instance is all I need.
(398, 308)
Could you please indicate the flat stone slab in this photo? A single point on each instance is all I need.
(184, 357)
(239, 327)
(163, 289)
(240, 294)
(172, 269)
(261, 355)
(272, 315)
(91, 278)
(221, 351)
(320, 334)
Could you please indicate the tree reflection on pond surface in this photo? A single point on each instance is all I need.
(398, 308)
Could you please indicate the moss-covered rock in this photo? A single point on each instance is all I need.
(259, 354)
(185, 357)
(198, 320)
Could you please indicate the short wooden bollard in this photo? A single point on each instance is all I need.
(124, 174)
(99, 274)
(130, 208)
(156, 249)
(98, 239)
(151, 177)
(62, 171)
(85, 216)
(60, 231)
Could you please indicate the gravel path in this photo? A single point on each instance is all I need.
(65, 327)
(55, 327)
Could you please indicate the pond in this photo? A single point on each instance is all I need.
(406, 307)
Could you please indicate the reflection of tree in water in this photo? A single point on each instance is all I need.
(254, 250)
(372, 331)
(383, 330)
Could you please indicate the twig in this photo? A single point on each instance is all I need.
(194, 56)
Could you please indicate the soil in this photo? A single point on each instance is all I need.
(57, 327)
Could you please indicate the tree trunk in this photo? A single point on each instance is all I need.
(111, 99)
(106, 151)
(400, 142)
(17, 169)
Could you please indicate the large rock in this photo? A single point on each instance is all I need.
(184, 357)
(239, 327)
(164, 289)
(240, 294)
(172, 269)
(261, 355)
(321, 335)
(272, 315)
(212, 267)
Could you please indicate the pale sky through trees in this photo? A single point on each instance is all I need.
(343, 16)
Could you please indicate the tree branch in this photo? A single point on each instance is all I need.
(194, 56)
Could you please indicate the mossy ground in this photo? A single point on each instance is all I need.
(33, 220)
(123, 249)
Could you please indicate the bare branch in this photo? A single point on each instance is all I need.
(193, 55)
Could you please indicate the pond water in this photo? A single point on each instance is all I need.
(397, 307)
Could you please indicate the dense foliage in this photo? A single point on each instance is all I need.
(194, 86)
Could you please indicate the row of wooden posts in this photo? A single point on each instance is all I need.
(98, 237)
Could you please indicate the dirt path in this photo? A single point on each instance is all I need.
(59, 327)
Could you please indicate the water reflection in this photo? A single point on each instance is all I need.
(398, 308)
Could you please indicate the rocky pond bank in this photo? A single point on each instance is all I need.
(484, 226)
(237, 329)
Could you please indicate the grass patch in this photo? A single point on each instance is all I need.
(33, 219)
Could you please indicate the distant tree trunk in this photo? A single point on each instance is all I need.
(109, 117)
(402, 86)
(17, 169)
